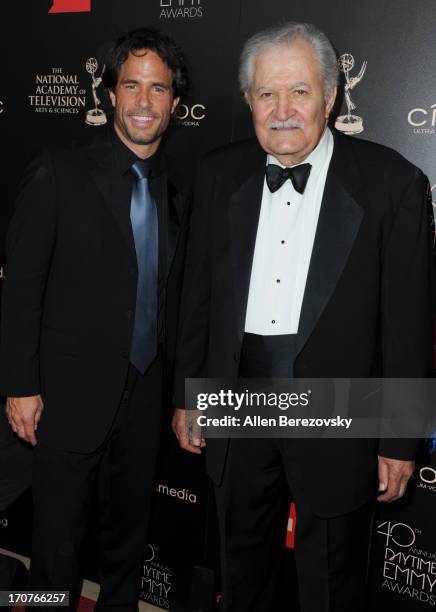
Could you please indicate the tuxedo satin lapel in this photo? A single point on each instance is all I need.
(103, 170)
(244, 210)
(338, 224)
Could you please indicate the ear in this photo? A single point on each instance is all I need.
(174, 104)
(248, 99)
(330, 101)
(113, 97)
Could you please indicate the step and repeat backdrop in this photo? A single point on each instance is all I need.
(51, 93)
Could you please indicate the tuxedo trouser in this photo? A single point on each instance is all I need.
(121, 472)
(253, 506)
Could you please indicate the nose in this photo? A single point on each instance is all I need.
(284, 107)
(143, 98)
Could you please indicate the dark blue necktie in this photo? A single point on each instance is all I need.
(143, 215)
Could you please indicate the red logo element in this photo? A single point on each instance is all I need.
(71, 6)
(290, 532)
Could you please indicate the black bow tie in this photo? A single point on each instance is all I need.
(276, 176)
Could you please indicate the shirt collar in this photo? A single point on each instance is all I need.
(125, 157)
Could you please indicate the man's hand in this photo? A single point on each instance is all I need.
(393, 476)
(23, 415)
(188, 432)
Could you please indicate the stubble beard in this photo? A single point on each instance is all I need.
(139, 139)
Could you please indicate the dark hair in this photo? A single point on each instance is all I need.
(147, 39)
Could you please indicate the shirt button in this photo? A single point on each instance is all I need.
(278, 280)
(273, 321)
(282, 241)
(288, 203)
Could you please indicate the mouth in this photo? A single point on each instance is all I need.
(284, 129)
(287, 126)
(142, 120)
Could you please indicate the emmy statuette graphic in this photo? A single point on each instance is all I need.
(349, 123)
(95, 116)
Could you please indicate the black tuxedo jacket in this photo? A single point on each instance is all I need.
(70, 290)
(367, 308)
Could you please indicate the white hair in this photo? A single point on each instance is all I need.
(285, 34)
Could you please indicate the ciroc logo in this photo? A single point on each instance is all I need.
(190, 116)
(422, 120)
(425, 478)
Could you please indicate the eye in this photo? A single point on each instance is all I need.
(266, 94)
(130, 85)
(301, 92)
(159, 89)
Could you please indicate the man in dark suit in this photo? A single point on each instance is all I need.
(309, 256)
(94, 255)
(15, 478)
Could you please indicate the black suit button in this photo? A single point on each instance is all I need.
(129, 313)
(132, 271)
(124, 354)
(236, 356)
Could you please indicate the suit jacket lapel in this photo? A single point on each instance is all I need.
(103, 170)
(175, 206)
(244, 209)
(338, 225)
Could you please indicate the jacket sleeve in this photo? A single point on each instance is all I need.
(407, 312)
(29, 245)
(193, 334)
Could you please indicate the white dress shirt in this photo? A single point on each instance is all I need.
(284, 242)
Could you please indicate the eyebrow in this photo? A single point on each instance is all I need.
(298, 84)
(136, 82)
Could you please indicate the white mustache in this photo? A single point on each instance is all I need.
(289, 123)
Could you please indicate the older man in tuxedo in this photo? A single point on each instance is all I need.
(309, 256)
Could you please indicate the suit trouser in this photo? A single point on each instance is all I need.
(122, 472)
(253, 506)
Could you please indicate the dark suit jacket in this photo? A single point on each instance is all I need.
(367, 308)
(70, 290)
(15, 464)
